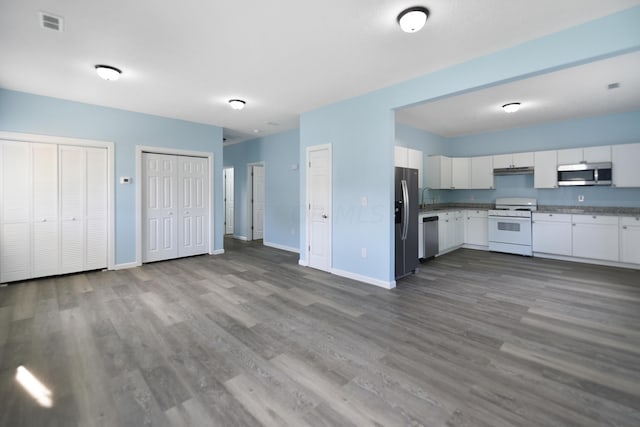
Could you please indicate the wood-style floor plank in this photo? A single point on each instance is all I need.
(251, 338)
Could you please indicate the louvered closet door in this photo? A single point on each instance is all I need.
(96, 213)
(45, 225)
(83, 208)
(193, 206)
(72, 204)
(159, 207)
(15, 248)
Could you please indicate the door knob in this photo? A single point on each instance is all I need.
(324, 216)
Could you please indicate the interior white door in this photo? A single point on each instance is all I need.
(15, 251)
(159, 211)
(258, 202)
(193, 206)
(319, 207)
(228, 200)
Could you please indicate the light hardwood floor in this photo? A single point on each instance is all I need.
(250, 338)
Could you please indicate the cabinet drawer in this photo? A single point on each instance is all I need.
(630, 220)
(595, 219)
(538, 216)
(476, 213)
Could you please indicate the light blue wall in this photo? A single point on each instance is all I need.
(282, 179)
(361, 130)
(611, 129)
(28, 113)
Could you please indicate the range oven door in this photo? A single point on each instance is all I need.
(510, 234)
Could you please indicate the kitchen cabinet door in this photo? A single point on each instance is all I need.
(545, 169)
(595, 237)
(414, 161)
(625, 158)
(458, 232)
(502, 161)
(482, 172)
(552, 233)
(521, 160)
(570, 156)
(597, 154)
(400, 157)
(438, 172)
(476, 228)
(630, 239)
(460, 173)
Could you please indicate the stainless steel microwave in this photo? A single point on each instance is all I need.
(584, 174)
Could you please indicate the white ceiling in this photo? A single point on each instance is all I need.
(186, 59)
(576, 92)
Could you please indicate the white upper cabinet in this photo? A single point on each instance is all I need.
(460, 173)
(482, 172)
(414, 161)
(404, 157)
(587, 154)
(625, 160)
(400, 156)
(515, 160)
(438, 172)
(545, 173)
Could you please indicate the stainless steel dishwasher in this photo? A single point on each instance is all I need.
(429, 237)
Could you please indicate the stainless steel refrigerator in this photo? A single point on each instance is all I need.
(406, 221)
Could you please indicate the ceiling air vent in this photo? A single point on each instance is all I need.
(50, 21)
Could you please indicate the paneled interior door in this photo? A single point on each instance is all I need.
(319, 207)
(175, 206)
(258, 202)
(228, 201)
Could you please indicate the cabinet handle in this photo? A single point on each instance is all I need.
(550, 214)
(73, 218)
(624, 227)
(44, 219)
(170, 213)
(186, 213)
(594, 217)
(573, 225)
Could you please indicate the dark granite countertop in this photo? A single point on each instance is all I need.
(566, 209)
(589, 210)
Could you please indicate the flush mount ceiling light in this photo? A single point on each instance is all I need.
(237, 104)
(511, 107)
(413, 19)
(108, 72)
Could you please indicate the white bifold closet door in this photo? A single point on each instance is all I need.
(83, 208)
(54, 210)
(175, 210)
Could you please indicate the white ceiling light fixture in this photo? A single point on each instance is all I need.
(237, 104)
(412, 20)
(511, 107)
(108, 72)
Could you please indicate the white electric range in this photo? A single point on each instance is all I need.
(510, 225)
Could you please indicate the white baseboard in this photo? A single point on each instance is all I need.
(364, 279)
(217, 252)
(476, 247)
(240, 237)
(283, 247)
(126, 265)
(303, 262)
(588, 260)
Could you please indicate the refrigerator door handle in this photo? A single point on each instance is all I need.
(405, 203)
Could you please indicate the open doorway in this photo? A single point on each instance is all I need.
(228, 200)
(255, 214)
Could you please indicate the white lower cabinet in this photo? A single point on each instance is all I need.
(476, 228)
(450, 230)
(595, 237)
(552, 233)
(630, 239)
